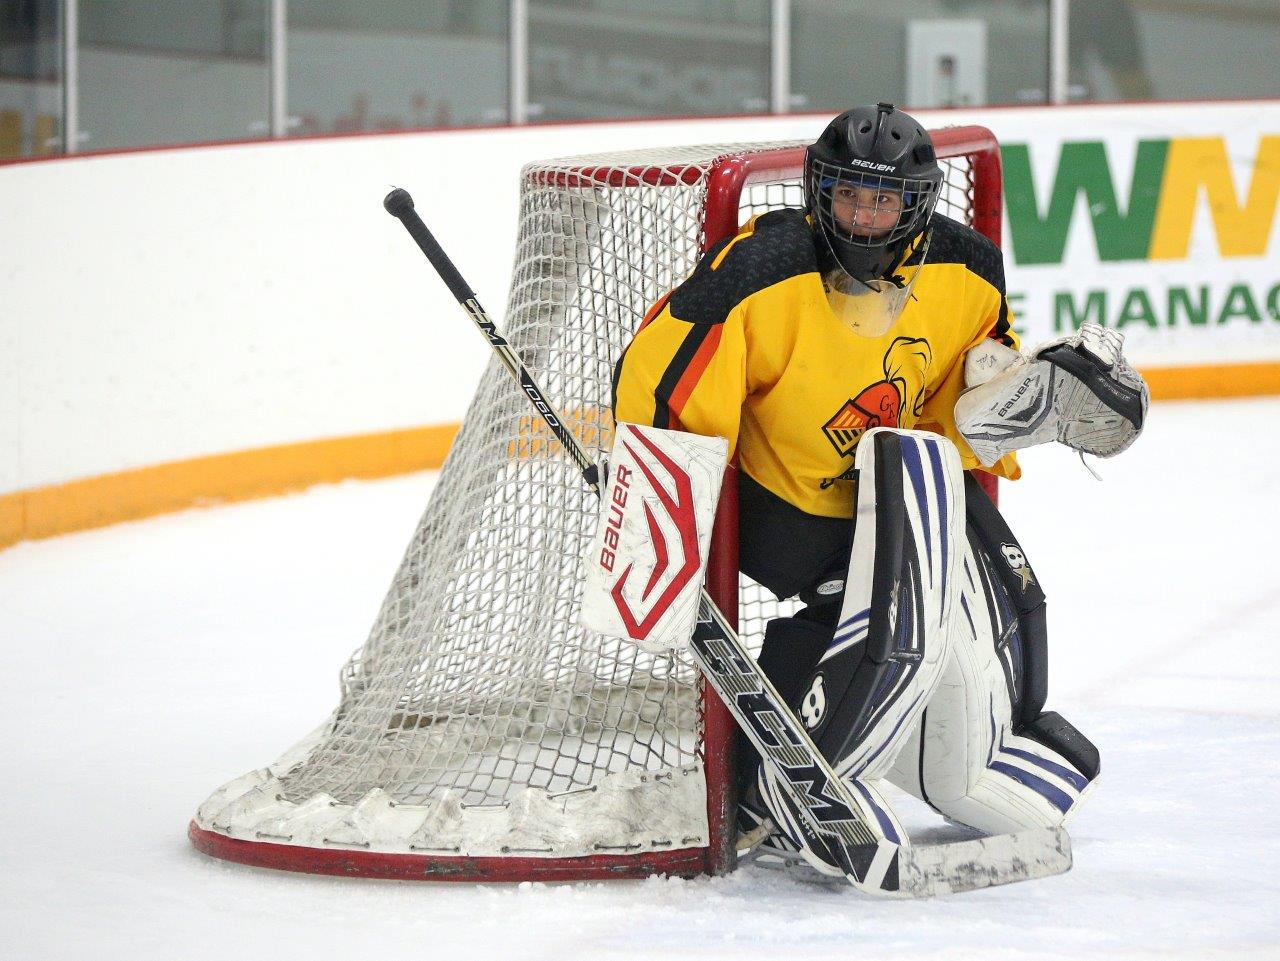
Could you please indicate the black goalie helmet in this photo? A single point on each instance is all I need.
(871, 182)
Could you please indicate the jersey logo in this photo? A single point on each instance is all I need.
(849, 475)
(877, 406)
(906, 364)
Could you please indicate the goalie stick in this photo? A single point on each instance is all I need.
(833, 819)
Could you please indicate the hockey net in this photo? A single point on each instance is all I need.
(480, 732)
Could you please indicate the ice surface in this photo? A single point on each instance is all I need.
(146, 663)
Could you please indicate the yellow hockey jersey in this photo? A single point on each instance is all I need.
(749, 348)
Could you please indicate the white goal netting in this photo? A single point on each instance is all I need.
(478, 719)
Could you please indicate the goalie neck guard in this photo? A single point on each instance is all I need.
(871, 182)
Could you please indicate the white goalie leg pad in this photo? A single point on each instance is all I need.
(645, 565)
(1079, 390)
(891, 643)
(963, 758)
(897, 612)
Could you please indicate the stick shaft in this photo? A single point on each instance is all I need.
(465, 296)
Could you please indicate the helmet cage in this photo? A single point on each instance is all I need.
(867, 252)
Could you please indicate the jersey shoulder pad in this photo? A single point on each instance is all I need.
(778, 245)
(955, 243)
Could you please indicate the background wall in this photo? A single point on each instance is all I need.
(181, 303)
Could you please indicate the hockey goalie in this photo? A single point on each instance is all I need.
(857, 359)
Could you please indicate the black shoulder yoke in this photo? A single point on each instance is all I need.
(954, 243)
(780, 247)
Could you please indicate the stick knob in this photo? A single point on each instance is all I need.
(398, 202)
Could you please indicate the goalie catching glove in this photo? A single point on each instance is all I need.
(646, 563)
(1078, 390)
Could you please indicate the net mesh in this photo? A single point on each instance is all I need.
(475, 679)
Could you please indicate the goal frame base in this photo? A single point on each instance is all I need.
(347, 862)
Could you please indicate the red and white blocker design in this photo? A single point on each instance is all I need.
(645, 567)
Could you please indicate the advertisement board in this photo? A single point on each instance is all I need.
(274, 313)
(1157, 221)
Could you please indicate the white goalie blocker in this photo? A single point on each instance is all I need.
(646, 564)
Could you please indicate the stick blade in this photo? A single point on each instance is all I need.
(931, 869)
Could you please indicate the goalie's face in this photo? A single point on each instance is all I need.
(865, 211)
